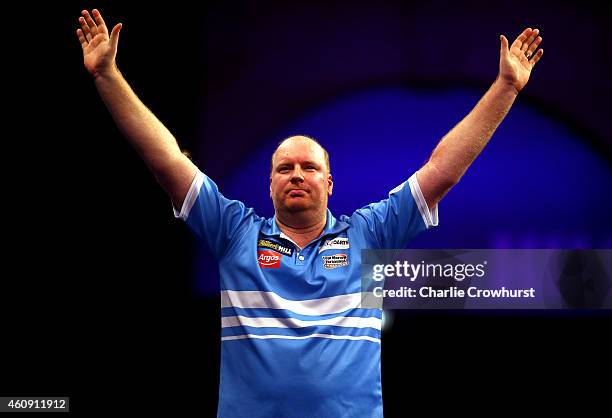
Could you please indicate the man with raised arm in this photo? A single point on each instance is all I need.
(295, 341)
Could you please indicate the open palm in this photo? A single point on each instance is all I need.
(517, 61)
(99, 49)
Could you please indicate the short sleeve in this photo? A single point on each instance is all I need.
(211, 216)
(393, 222)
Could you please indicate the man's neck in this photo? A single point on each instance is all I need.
(301, 231)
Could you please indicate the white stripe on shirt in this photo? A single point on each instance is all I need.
(190, 198)
(293, 337)
(430, 217)
(343, 321)
(270, 300)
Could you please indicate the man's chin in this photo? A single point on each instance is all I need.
(296, 207)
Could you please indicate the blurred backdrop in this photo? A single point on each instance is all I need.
(108, 295)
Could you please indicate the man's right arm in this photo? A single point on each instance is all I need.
(149, 137)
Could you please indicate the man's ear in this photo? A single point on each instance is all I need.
(270, 187)
(330, 184)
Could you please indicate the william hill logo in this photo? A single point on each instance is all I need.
(275, 246)
(268, 259)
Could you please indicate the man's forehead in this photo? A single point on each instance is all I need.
(299, 148)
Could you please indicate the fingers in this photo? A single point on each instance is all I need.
(504, 44)
(93, 28)
(529, 41)
(90, 28)
(82, 39)
(114, 38)
(534, 45)
(536, 57)
(518, 43)
(85, 29)
(99, 21)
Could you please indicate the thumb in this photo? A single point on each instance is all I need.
(114, 38)
(504, 44)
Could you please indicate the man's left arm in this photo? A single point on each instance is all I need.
(460, 147)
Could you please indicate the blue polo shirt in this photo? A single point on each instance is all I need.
(294, 340)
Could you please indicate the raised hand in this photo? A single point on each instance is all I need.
(99, 49)
(517, 61)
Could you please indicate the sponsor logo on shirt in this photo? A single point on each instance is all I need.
(335, 244)
(268, 259)
(275, 246)
(336, 260)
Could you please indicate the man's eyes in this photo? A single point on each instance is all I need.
(287, 169)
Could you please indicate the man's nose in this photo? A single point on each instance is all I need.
(297, 175)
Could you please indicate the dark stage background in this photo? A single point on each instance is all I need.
(100, 300)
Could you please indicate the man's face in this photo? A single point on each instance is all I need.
(299, 180)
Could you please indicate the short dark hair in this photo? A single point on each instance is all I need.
(325, 153)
